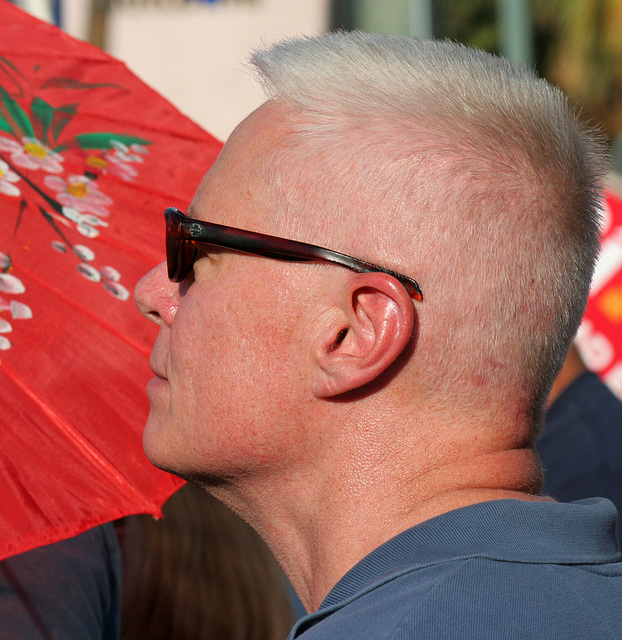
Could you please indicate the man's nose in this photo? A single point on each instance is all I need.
(156, 297)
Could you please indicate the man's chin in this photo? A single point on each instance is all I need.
(161, 450)
(155, 445)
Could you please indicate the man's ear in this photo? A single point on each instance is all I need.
(374, 323)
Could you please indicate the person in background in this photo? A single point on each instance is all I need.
(200, 573)
(360, 320)
(581, 444)
(69, 590)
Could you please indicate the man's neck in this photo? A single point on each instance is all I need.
(334, 520)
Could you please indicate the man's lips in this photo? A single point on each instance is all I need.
(158, 372)
(158, 382)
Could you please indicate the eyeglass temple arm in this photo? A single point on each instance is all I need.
(292, 251)
(361, 266)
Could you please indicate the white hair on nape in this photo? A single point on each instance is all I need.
(477, 179)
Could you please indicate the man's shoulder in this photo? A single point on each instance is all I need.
(483, 598)
(499, 569)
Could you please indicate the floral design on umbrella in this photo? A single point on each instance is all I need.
(33, 165)
(81, 193)
(8, 179)
(118, 160)
(9, 284)
(72, 381)
(32, 154)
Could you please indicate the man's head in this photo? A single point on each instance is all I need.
(445, 164)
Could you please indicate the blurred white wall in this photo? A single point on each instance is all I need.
(195, 53)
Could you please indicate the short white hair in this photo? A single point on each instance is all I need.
(466, 172)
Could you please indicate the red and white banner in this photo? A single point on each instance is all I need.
(599, 339)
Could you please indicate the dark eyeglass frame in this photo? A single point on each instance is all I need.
(183, 233)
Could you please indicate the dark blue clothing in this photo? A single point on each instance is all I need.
(581, 447)
(497, 570)
(69, 590)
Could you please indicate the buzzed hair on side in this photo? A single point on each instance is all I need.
(465, 171)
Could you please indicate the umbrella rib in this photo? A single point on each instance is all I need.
(90, 452)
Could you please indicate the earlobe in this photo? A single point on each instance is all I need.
(373, 325)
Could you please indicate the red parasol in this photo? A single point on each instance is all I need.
(89, 159)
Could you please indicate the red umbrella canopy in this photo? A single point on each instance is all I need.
(89, 159)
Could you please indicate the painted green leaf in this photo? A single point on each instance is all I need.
(62, 116)
(44, 112)
(4, 63)
(71, 83)
(103, 140)
(60, 123)
(70, 109)
(10, 64)
(5, 126)
(17, 113)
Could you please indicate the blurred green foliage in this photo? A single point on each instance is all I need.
(578, 46)
(584, 54)
(473, 22)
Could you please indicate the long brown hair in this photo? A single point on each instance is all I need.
(200, 573)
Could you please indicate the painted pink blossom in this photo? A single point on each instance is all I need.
(11, 284)
(7, 180)
(79, 193)
(132, 153)
(121, 169)
(121, 158)
(86, 223)
(32, 154)
(109, 163)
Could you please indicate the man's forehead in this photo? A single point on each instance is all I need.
(236, 181)
(260, 129)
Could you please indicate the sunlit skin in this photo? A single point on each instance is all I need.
(228, 340)
(287, 390)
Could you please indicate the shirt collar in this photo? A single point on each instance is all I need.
(582, 532)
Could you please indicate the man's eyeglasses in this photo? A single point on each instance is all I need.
(183, 234)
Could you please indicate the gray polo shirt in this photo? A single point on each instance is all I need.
(500, 569)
